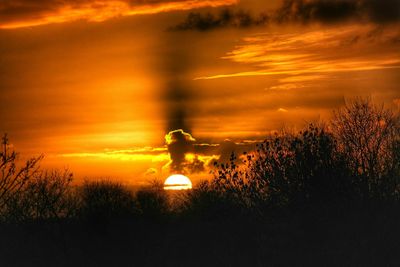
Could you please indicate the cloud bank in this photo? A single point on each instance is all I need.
(26, 13)
(225, 18)
(298, 11)
(330, 11)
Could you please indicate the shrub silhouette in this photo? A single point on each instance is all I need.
(318, 172)
(236, 190)
(206, 202)
(153, 201)
(357, 160)
(12, 178)
(287, 170)
(368, 137)
(103, 201)
(46, 195)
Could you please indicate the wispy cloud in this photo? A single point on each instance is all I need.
(26, 13)
(344, 49)
(134, 154)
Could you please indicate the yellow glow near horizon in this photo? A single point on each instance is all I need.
(177, 182)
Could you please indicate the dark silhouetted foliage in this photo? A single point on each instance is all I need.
(287, 170)
(46, 195)
(368, 137)
(102, 201)
(153, 201)
(205, 202)
(12, 178)
(356, 161)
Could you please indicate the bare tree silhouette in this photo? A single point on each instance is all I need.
(368, 135)
(12, 178)
(46, 195)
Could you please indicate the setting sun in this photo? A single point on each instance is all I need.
(177, 182)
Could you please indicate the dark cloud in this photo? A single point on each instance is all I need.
(331, 11)
(196, 165)
(15, 10)
(297, 11)
(319, 10)
(179, 143)
(383, 10)
(225, 18)
(206, 149)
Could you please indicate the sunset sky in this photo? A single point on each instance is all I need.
(98, 86)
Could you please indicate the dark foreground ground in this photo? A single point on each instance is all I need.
(344, 239)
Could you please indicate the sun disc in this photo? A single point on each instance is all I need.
(177, 182)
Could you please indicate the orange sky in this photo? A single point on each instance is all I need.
(96, 85)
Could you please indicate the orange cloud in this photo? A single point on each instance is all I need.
(317, 52)
(26, 13)
(138, 154)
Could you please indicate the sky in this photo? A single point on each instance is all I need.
(140, 89)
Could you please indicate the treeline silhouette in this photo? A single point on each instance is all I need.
(294, 188)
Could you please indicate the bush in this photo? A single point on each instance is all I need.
(368, 137)
(318, 173)
(46, 195)
(287, 171)
(12, 178)
(206, 202)
(357, 160)
(153, 201)
(103, 201)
